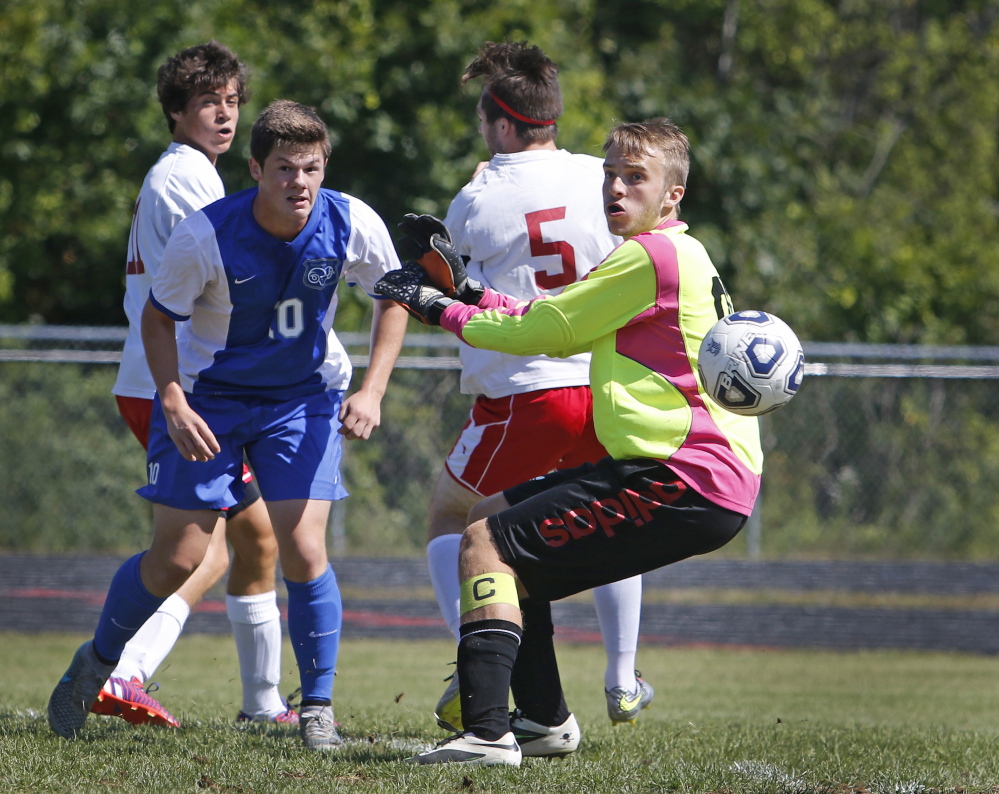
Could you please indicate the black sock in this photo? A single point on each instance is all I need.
(536, 685)
(486, 654)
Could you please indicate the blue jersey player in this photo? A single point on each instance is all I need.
(238, 333)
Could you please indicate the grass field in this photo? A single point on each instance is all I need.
(723, 721)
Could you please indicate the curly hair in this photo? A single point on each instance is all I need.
(197, 69)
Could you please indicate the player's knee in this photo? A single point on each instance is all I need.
(304, 559)
(448, 508)
(477, 549)
(252, 538)
(254, 546)
(445, 520)
(266, 552)
(474, 536)
(168, 576)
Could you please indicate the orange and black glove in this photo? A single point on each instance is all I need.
(411, 288)
(427, 242)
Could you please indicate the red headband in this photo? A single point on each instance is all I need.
(527, 120)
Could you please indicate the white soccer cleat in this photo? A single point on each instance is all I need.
(318, 728)
(624, 707)
(541, 741)
(466, 748)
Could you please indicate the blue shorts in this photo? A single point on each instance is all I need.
(293, 448)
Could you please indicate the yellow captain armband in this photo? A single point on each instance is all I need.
(488, 588)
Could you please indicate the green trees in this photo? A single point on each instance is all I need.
(844, 155)
(844, 170)
(76, 133)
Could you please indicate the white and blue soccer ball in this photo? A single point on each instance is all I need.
(751, 363)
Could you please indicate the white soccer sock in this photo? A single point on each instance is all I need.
(442, 561)
(151, 643)
(619, 610)
(256, 625)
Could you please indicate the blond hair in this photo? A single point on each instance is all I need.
(651, 136)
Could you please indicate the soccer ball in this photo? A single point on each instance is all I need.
(751, 363)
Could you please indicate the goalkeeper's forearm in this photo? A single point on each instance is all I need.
(519, 328)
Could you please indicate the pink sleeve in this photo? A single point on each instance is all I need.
(496, 300)
(457, 314)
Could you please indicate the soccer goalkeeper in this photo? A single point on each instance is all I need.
(683, 474)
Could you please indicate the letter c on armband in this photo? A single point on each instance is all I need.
(488, 588)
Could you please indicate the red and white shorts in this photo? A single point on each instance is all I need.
(508, 440)
(136, 412)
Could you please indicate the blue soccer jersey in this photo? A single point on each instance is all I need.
(261, 310)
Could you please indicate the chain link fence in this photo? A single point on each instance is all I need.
(888, 452)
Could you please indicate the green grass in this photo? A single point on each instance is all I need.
(723, 721)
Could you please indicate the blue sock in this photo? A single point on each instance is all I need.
(314, 618)
(128, 605)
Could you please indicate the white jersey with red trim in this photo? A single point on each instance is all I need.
(181, 182)
(529, 223)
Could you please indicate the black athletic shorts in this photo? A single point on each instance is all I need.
(580, 528)
(251, 493)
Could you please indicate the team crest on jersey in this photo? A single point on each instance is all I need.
(320, 272)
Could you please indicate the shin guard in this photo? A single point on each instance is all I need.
(486, 655)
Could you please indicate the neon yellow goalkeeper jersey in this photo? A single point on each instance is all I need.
(643, 312)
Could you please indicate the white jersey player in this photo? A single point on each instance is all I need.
(530, 222)
(181, 182)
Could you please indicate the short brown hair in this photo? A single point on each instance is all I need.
(523, 78)
(287, 124)
(655, 135)
(197, 69)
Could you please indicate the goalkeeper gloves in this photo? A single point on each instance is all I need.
(427, 241)
(410, 286)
